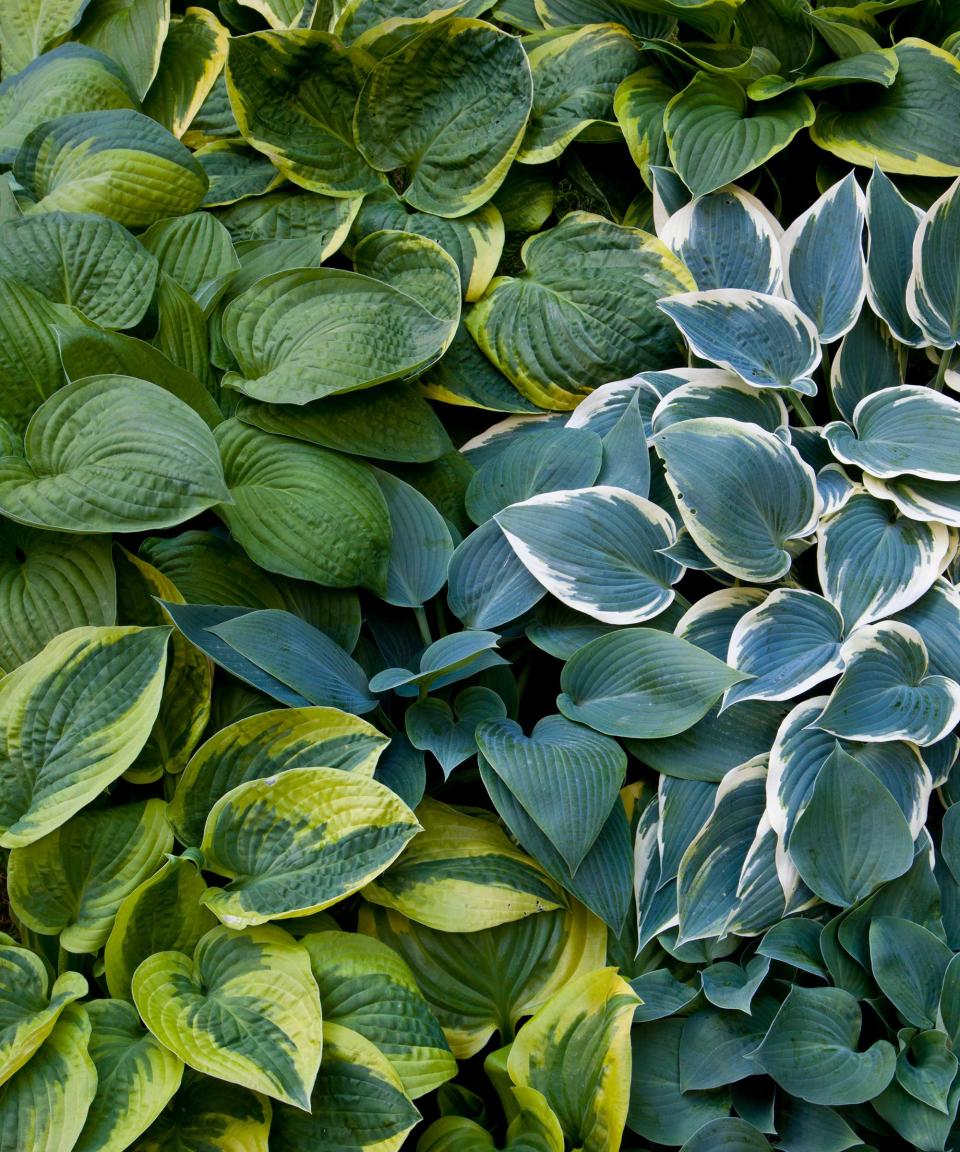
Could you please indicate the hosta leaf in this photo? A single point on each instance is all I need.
(84, 260)
(196, 251)
(132, 32)
(639, 104)
(726, 396)
(445, 661)
(936, 616)
(766, 340)
(534, 1128)
(245, 1008)
(420, 544)
(713, 463)
(885, 692)
(867, 361)
(297, 842)
(192, 57)
(726, 1135)
(462, 874)
(811, 1049)
(205, 1109)
(716, 136)
(892, 225)
(74, 719)
(431, 727)
(236, 172)
(112, 454)
(926, 1068)
(50, 583)
(909, 964)
(716, 1046)
(367, 987)
(598, 550)
(486, 584)
(264, 745)
(29, 1013)
(303, 511)
(136, 1078)
(449, 107)
(582, 313)
(641, 682)
(28, 29)
(71, 882)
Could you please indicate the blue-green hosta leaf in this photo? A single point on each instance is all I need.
(560, 631)
(824, 270)
(926, 1067)
(464, 376)
(71, 882)
(30, 1007)
(604, 409)
(811, 1049)
(244, 1008)
(639, 104)
(873, 562)
(112, 454)
(932, 502)
(582, 313)
(74, 719)
(795, 942)
(867, 361)
(909, 964)
(626, 458)
(851, 836)
(366, 986)
(83, 260)
(933, 292)
(445, 661)
(203, 1106)
(891, 226)
(742, 492)
(727, 239)
(566, 778)
(304, 511)
(487, 585)
(661, 995)
(906, 127)
(297, 842)
(716, 1046)
(450, 108)
(730, 1134)
(710, 622)
(598, 550)
(575, 75)
(431, 727)
(728, 985)
(936, 616)
(915, 1121)
(420, 544)
(885, 692)
(461, 874)
(835, 488)
(136, 1077)
(192, 57)
(716, 136)
(28, 29)
(727, 395)
(790, 643)
(642, 683)
(765, 339)
(196, 251)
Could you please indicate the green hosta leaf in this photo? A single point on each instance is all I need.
(297, 842)
(87, 261)
(44, 1105)
(430, 724)
(358, 1102)
(118, 163)
(566, 777)
(206, 1108)
(462, 874)
(885, 692)
(74, 719)
(244, 1009)
(576, 1051)
(598, 550)
(50, 583)
(304, 511)
(367, 987)
(642, 683)
(534, 1128)
(445, 661)
(639, 104)
(28, 1012)
(27, 29)
(892, 225)
(582, 313)
(909, 964)
(71, 882)
(811, 1049)
(196, 251)
(193, 54)
(716, 136)
(292, 215)
(136, 1078)
(486, 584)
(712, 462)
(236, 172)
(851, 836)
(293, 94)
(450, 107)
(112, 454)
(765, 340)
(907, 127)
(164, 913)
(132, 32)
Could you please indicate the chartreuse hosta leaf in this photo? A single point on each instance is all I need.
(164, 913)
(29, 1007)
(576, 1051)
(639, 104)
(598, 550)
(208, 1110)
(263, 745)
(29, 28)
(244, 1008)
(582, 313)
(297, 842)
(358, 1101)
(533, 1128)
(566, 777)
(136, 1078)
(885, 692)
(765, 339)
(110, 453)
(742, 492)
(366, 986)
(642, 683)
(462, 874)
(43, 1106)
(71, 882)
(72, 720)
(191, 59)
(450, 108)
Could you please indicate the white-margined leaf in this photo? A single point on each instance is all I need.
(891, 225)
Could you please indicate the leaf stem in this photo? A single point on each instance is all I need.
(423, 626)
(802, 413)
(945, 357)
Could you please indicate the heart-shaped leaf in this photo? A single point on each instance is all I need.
(431, 726)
